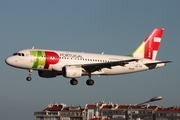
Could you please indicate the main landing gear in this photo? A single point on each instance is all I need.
(89, 82)
(73, 81)
(29, 77)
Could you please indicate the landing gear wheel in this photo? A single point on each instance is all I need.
(90, 82)
(28, 78)
(73, 82)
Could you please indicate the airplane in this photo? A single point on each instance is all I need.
(73, 65)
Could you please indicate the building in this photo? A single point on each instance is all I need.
(107, 111)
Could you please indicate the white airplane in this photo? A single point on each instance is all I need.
(51, 63)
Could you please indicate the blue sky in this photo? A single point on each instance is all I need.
(114, 27)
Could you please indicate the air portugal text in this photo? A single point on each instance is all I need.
(68, 55)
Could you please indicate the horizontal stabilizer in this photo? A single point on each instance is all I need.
(158, 62)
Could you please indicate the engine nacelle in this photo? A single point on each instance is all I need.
(47, 74)
(72, 71)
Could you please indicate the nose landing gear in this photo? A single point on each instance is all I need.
(29, 77)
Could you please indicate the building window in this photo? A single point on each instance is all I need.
(90, 115)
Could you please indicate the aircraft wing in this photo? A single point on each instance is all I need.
(98, 66)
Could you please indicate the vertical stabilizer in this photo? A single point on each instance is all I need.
(149, 47)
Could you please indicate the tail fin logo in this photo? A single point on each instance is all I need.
(149, 48)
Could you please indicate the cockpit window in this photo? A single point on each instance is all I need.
(15, 53)
(19, 54)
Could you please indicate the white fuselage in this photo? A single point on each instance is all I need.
(51, 63)
(56, 60)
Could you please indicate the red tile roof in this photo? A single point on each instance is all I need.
(171, 109)
(94, 119)
(91, 106)
(65, 109)
(106, 107)
(54, 108)
(123, 107)
(68, 109)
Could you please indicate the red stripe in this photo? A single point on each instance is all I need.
(150, 45)
(156, 45)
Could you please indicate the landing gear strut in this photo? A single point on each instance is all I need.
(29, 77)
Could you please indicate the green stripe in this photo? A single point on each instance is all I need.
(39, 58)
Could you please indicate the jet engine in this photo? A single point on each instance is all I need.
(47, 74)
(72, 71)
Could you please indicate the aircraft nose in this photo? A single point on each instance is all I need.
(9, 61)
